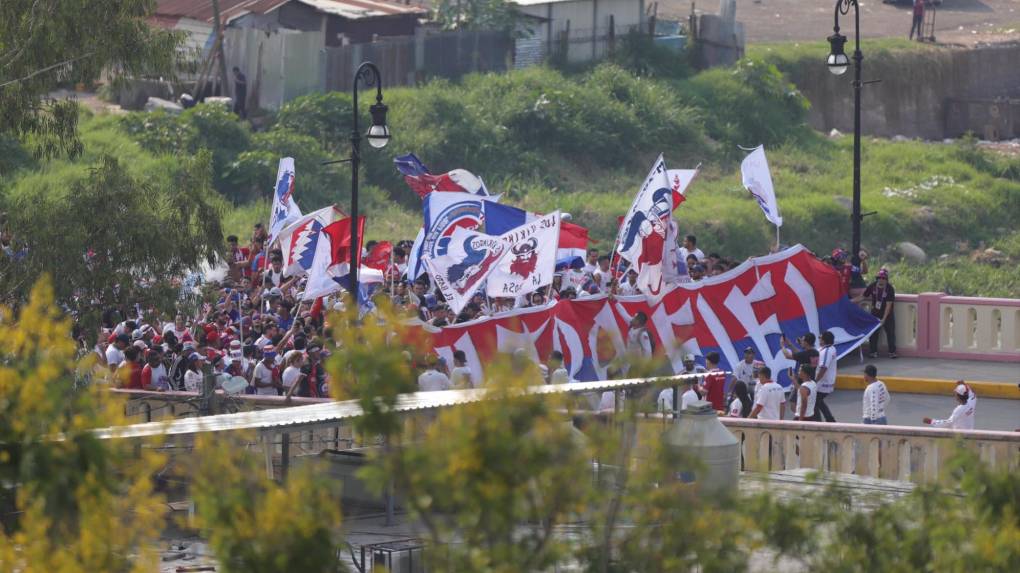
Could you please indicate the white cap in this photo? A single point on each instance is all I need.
(962, 389)
(688, 357)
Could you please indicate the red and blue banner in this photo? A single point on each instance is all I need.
(790, 293)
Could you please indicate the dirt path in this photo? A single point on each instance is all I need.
(956, 21)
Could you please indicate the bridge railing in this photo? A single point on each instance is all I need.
(936, 325)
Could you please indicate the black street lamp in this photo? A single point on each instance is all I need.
(378, 136)
(838, 63)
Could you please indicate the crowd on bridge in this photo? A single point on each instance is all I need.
(257, 336)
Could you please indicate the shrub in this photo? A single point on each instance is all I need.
(326, 117)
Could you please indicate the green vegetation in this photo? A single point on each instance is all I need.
(581, 142)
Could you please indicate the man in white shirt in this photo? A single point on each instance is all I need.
(963, 415)
(806, 396)
(691, 248)
(432, 379)
(876, 397)
(591, 263)
(557, 373)
(602, 275)
(115, 351)
(639, 341)
(266, 376)
(770, 399)
(460, 376)
(826, 374)
(744, 370)
(629, 286)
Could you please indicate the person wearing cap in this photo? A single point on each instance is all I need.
(883, 298)
(432, 379)
(154, 375)
(266, 376)
(313, 385)
(193, 375)
(876, 397)
(692, 367)
(744, 370)
(461, 374)
(115, 351)
(629, 286)
(963, 415)
(696, 272)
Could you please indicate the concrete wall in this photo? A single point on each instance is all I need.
(914, 98)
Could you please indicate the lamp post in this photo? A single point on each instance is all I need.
(838, 63)
(378, 136)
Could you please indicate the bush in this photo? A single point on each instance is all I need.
(326, 117)
(749, 104)
(639, 54)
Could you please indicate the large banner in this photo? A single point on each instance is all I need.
(789, 293)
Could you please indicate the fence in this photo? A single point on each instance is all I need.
(407, 60)
(935, 325)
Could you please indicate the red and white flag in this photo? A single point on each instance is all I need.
(645, 227)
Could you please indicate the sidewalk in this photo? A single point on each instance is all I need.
(933, 375)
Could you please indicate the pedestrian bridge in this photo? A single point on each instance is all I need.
(944, 338)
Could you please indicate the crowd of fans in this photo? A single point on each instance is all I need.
(256, 336)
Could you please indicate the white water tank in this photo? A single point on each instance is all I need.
(707, 453)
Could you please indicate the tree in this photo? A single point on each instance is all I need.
(113, 237)
(81, 503)
(44, 43)
(477, 15)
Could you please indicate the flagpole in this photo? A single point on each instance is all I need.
(777, 238)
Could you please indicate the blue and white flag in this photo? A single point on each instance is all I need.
(285, 209)
(757, 179)
(463, 261)
(643, 232)
(443, 213)
(501, 219)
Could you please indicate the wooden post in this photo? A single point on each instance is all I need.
(219, 46)
(267, 451)
(284, 455)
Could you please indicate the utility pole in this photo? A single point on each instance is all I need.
(225, 90)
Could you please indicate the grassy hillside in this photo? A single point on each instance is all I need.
(582, 142)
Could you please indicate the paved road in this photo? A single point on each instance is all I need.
(935, 368)
(811, 20)
(909, 409)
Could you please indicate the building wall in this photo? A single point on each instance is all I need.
(588, 23)
(363, 30)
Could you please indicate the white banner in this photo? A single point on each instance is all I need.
(285, 209)
(531, 261)
(464, 260)
(642, 239)
(757, 179)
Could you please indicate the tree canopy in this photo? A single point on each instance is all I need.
(46, 43)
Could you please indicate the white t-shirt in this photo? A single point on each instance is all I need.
(962, 417)
(827, 358)
(192, 381)
(735, 408)
(696, 252)
(559, 376)
(264, 375)
(627, 289)
(603, 278)
(114, 355)
(769, 396)
(290, 376)
(639, 342)
(687, 398)
(745, 373)
(433, 380)
(809, 409)
(460, 376)
(664, 402)
(159, 377)
(876, 398)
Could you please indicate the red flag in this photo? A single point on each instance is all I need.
(379, 257)
(340, 239)
(573, 236)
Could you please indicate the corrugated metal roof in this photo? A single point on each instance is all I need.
(336, 411)
(357, 9)
(231, 9)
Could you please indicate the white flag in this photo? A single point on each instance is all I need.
(531, 261)
(322, 274)
(462, 263)
(642, 238)
(680, 180)
(285, 210)
(754, 170)
(298, 241)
